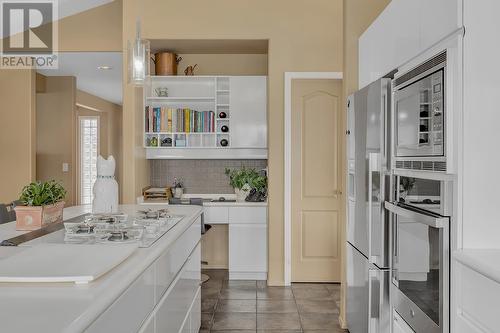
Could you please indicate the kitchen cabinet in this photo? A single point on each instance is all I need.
(403, 30)
(205, 117)
(478, 291)
(247, 250)
(248, 105)
(166, 297)
(173, 312)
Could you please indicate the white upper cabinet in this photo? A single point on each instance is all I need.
(403, 30)
(248, 105)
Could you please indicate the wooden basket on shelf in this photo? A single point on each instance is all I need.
(150, 193)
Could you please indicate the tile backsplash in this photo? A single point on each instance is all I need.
(199, 176)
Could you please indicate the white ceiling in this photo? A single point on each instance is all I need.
(106, 84)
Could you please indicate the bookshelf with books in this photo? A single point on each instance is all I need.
(181, 112)
(191, 117)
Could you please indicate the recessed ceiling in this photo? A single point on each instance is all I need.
(210, 46)
(103, 83)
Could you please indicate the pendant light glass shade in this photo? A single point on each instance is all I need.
(138, 59)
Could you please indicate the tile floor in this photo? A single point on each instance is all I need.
(251, 306)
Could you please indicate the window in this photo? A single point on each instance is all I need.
(89, 150)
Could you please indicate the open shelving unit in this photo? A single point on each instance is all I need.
(196, 93)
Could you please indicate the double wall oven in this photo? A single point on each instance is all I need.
(421, 203)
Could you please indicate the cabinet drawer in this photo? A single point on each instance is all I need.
(128, 312)
(175, 305)
(216, 215)
(248, 215)
(168, 264)
(476, 291)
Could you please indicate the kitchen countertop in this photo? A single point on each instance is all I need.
(483, 261)
(141, 201)
(66, 307)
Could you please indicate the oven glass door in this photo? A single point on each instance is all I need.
(419, 114)
(417, 264)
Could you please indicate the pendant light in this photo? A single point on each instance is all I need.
(138, 58)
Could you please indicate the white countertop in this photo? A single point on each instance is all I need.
(483, 261)
(66, 307)
(140, 200)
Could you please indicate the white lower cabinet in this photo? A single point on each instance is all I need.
(176, 304)
(163, 299)
(127, 313)
(248, 243)
(399, 325)
(478, 302)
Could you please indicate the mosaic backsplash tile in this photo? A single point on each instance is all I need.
(199, 176)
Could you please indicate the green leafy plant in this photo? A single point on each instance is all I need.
(407, 183)
(42, 193)
(238, 178)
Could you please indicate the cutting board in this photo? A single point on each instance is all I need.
(78, 263)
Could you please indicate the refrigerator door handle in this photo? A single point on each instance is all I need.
(378, 301)
(373, 166)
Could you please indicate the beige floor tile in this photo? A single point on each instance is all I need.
(206, 321)
(319, 321)
(276, 306)
(275, 293)
(236, 305)
(278, 321)
(234, 321)
(237, 293)
(208, 305)
(317, 306)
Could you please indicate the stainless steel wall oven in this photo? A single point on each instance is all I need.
(420, 218)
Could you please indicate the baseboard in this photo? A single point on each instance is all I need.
(247, 275)
(213, 266)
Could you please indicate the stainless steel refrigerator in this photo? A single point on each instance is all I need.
(369, 151)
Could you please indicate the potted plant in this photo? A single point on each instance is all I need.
(405, 187)
(177, 188)
(244, 180)
(42, 204)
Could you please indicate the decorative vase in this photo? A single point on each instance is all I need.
(36, 217)
(242, 193)
(105, 187)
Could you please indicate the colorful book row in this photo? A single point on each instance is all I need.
(163, 119)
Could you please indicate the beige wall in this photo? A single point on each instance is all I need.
(358, 15)
(17, 132)
(97, 29)
(303, 36)
(56, 134)
(57, 130)
(225, 64)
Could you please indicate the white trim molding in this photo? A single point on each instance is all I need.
(289, 76)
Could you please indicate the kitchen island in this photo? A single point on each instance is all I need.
(156, 289)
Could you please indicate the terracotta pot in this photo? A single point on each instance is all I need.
(36, 217)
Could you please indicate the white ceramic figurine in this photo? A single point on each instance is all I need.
(105, 187)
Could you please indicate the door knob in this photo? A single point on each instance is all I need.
(337, 192)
